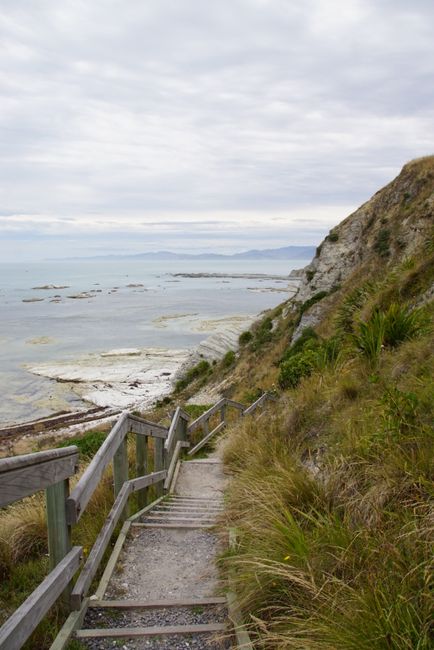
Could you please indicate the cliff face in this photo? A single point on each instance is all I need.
(393, 223)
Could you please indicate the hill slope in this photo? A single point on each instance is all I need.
(332, 489)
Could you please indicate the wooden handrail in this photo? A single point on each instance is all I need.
(207, 438)
(18, 627)
(21, 476)
(199, 421)
(178, 415)
(146, 427)
(175, 456)
(81, 494)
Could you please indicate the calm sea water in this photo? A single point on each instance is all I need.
(117, 316)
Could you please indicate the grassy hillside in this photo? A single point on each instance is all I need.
(332, 490)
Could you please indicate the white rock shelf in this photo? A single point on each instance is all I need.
(121, 378)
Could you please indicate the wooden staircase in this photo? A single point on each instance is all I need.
(172, 511)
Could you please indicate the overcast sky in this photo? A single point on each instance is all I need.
(135, 125)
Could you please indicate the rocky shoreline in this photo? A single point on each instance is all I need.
(133, 378)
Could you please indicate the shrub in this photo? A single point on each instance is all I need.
(202, 368)
(88, 444)
(263, 334)
(245, 337)
(390, 328)
(229, 359)
(402, 323)
(352, 303)
(370, 336)
(296, 367)
(307, 339)
(311, 301)
(333, 236)
(310, 275)
(195, 410)
(382, 243)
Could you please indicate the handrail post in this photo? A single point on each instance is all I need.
(59, 533)
(159, 463)
(142, 468)
(183, 429)
(120, 472)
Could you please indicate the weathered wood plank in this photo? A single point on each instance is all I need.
(27, 460)
(111, 564)
(130, 632)
(145, 481)
(175, 477)
(155, 604)
(189, 508)
(81, 494)
(159, 463)
(207, 438)
(120, 473)
(73, 622)
(175, 456)
(264, 397)
(167, 519)
(141, 426)
(170, 440)
(198, 422)
(235, 616)
(235, 405)
(143, 525)
(180, 497)
(179, 419)
(17, 629)
(59, 533)
(90, 568)
(141, 512)
(21, 476)
(142, 467)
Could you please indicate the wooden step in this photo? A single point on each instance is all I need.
(188, 497)
(129, 632)
(163, 525)
(178, 517)
(193, 506)
(156, 604)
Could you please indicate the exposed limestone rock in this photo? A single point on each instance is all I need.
(390, 226)
(401, 213)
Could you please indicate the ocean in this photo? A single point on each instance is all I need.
(121, 304)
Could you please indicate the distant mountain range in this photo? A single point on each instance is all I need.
(285, 253)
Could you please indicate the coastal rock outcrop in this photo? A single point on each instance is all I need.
(392, 224)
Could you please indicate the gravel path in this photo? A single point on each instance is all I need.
(169, 564)
(163, 563)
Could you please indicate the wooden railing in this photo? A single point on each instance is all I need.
(22, 476)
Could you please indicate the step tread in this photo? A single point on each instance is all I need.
(150, 604)
(127, 632)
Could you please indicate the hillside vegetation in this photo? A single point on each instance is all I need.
(331, 495)
(332, 490)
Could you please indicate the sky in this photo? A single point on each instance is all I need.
(141, 125)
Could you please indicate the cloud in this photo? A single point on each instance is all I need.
(122, 117)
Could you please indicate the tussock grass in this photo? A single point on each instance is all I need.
(332, 502)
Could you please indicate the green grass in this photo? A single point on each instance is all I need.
(88, 444)
(201, 369)
(332, 491)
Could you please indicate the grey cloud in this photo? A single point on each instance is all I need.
(169, 107)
